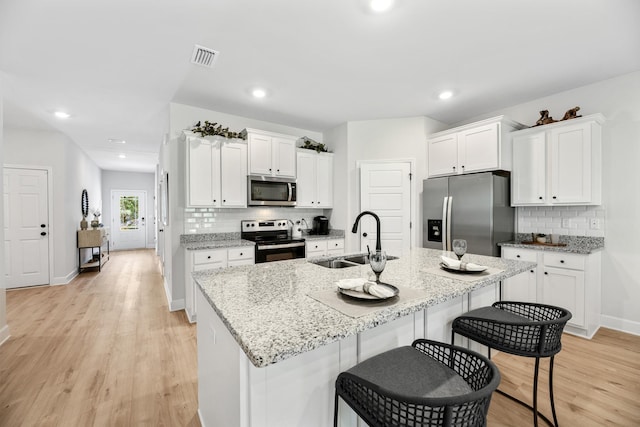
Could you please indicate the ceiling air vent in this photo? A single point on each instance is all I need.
(204, 56)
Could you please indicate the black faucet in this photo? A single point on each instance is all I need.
(355, 227)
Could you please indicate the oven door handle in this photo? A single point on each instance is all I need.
(282, 246)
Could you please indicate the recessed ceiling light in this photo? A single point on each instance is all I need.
(380, 6)
(122, 156)
(445, 95)
(259, 93)
(117, 141)
(62, 115)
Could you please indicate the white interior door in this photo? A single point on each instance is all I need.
(385, 189)
(26, 227)
(128, 217)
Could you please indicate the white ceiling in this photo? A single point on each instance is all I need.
(116, 64)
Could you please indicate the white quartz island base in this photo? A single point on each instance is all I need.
(299, 391)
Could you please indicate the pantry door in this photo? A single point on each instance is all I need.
(385, 189)
(26, 227)
(128, 222)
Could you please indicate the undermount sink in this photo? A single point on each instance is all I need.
(335, 263)
(347, 261)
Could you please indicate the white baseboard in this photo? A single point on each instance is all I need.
(200, 418)
(64, 280)
(174, 305)
(4, 334)
(628, 326)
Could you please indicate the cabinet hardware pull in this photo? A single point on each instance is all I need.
(209, 257)
(224, 200)
(554, 197)
(531, 271)
(454, 168)
(517, 256)
(240, 253)
(540, 197)
(561, 261)
(546, 272)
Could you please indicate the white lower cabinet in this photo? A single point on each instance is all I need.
(208, 259)
(567, 280)
(329, 247)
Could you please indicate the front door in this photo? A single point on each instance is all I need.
(26, 227)
(385, 189)
(129, 229)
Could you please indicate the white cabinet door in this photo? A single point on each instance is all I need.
(306, 181)
(521, 287)
(260, 154)
(324, 181)
(233, 175)
(528, 178)
(478, 149)
(335, 247)
(200, 179)
(284, 157)
(565, 288)
(570, 164)
(443, 155)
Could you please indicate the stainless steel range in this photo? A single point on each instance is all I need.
(273, 242)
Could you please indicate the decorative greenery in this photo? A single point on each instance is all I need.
(215, 129)
(310, 144)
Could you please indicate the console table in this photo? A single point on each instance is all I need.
(97, 238)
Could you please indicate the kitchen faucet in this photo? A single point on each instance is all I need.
(355, 227)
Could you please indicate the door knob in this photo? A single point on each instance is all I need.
(364, 234)
(43, 234)
(42, 225)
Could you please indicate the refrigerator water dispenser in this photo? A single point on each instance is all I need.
(434, 230)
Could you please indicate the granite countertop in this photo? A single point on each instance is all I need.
(267, 309)
(333, 234)
(213, 241)
(574, 244)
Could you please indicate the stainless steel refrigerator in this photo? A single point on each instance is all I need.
(474, 207)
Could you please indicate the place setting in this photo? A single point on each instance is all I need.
(459, 269)
(359, 296)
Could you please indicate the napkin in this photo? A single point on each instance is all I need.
(364, 285)
(454, 264)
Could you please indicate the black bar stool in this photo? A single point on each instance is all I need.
(523, 329)
(425, 384)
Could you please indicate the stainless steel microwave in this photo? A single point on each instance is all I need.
(269, 191)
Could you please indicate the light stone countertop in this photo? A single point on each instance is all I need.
(267, 309)
(333, 234)
(194, 242)
(574, 244)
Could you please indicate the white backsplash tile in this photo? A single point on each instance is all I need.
(208, 220)
(553, 219)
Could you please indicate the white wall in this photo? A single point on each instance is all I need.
(4, 328)
(390, 139)
(116, 180)
(72, 171)
(618, 99)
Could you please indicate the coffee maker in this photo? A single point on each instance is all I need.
(320, 225)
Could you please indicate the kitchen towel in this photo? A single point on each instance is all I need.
(358, 308)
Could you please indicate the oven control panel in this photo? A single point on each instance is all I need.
(264, 225)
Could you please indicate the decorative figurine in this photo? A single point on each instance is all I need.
(544, 119)
(571, 114)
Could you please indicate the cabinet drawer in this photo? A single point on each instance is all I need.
(520, 254)
(317, 246)
(210, 256)
(209, 266)
(243, 253)
(564, 260)
(335, 244)
(237, 262)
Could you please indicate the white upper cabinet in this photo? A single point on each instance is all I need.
(271, 154)
(315, 179)
(216, 172)
(480, 146)
(558, 164)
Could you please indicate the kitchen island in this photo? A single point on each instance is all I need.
(269, 353)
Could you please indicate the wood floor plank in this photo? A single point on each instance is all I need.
(105, 350)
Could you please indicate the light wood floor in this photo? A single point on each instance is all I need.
(104, 350)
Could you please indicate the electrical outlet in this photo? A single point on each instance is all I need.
(566, 222)
(594, 223)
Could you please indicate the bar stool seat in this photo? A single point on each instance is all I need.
(519, 328)
(425, 384)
